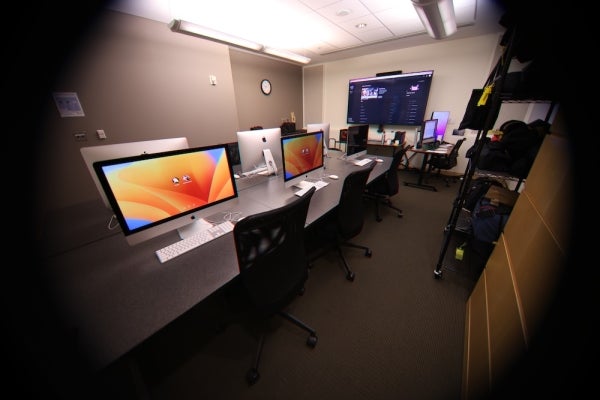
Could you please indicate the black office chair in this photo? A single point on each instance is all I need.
(385, 186)
(273, 265)
(343, 223)
(445, 162)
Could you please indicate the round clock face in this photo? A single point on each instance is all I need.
(265, 86)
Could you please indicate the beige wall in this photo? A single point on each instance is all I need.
(459, 67)
(137, 80)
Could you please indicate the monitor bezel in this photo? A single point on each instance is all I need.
(173, 222)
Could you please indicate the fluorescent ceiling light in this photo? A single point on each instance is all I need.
(189, 28)
(437, 16)
(286, 54)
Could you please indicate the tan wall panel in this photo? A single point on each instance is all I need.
(507, 341)
(551, 193)
(536, 261)
(476, 381)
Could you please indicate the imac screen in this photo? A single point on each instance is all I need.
(302, 153)
(428, 131)
(357, 141)
(156, 193)
(119, 150)
(442, 117)
(252, 143)
(320, 127)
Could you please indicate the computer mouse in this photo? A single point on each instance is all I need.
(333, 176)
(378, 160)
(236, 176)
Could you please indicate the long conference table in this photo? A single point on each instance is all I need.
(114, 296)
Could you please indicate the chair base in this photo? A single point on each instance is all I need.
(368, 253)
(252, 376)
(386, 202)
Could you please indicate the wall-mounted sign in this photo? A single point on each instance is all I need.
(68, 104)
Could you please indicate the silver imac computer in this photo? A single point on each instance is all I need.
(302, 156)
(324, 127)
(157, 193)
(251, 145)
(118, 150)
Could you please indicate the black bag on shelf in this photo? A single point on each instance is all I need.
(475, 115)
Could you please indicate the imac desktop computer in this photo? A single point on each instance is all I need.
(357, 141)
(302, 158)
(442, 117)
(427, 137)
(324, 127)
(153, 194)
(251, 145)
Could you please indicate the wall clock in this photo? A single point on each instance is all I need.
(265, 86)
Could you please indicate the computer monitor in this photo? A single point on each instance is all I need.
(119, 150)
(252, 143)
(442, 117)
(302, 154)
(156, 193)
(324, 126)
(428, 132)
(357, 141)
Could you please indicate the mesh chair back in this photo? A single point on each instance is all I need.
(350, 209)
(271, 254)
(387, 184)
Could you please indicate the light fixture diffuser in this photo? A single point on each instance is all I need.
(189, 28)
(192, 29)
(437, 16)
(286, 54)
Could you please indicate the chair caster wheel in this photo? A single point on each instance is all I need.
(400, 215)
(350, 276)
(252, 376)
(312, 341)
(368, 253)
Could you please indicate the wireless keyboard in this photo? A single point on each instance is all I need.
(184, 245)
(306, 188)
(255, 171)
(362, 162)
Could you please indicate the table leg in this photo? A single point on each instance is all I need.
(419, 184)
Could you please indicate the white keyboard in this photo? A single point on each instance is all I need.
(362, 162)
(306, 187)
(255, 171)
(184, 245)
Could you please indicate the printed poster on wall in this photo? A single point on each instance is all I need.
(68, 104)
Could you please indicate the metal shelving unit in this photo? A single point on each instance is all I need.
(459, 217)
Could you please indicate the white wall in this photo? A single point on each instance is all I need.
(459, 67)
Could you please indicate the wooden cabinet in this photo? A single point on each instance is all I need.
(512, 296)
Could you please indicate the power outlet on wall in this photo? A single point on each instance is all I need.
(80, 136)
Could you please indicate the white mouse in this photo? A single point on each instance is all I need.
(333, 176)
(379, 160)
(236, 176)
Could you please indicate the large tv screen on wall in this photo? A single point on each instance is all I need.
(389, 100)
